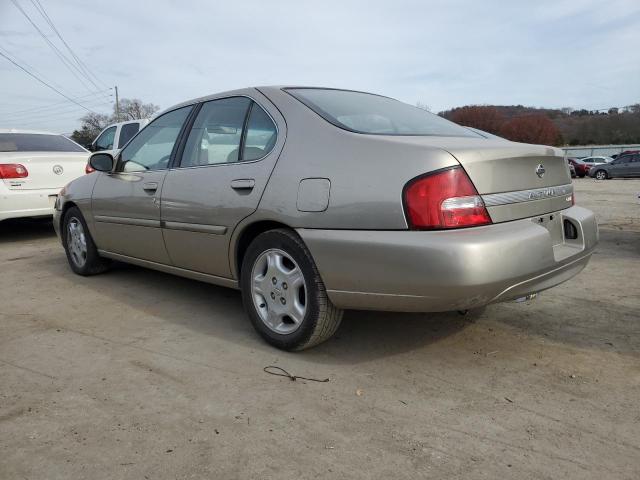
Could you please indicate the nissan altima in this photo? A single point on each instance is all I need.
(315, 200)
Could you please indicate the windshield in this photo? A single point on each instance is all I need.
(367, 113)
(37, 142)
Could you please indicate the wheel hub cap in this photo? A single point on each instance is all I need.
(279, 291)
(76, 242)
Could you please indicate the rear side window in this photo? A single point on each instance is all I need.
(261, 134)
(373, 114)
(32, 142)
(216, 133)
(106, 138)
(127, 131)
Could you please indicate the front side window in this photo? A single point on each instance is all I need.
(36, 142)
(367, 113)
(622, 160)
(216, 133)
(151, 150)
(127, 131)
(105, 140)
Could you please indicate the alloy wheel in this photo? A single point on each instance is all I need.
(77, 242)
(278, 290)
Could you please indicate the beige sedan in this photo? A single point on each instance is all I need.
(313, 200)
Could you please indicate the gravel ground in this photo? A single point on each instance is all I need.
(138, 374)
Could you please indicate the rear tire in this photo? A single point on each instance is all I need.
(283, 294)
(82, 253)
(601, 175)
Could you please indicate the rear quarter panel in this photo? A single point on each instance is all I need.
(367, 172)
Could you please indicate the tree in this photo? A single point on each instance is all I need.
(484, 118)
(537, 129)
(135, 109)
(93, 123)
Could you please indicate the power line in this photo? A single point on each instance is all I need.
(52, 113)
(56, 50)
(68, 116)
(51, 105)
(44, 83)
(26, 64)
(81, 64)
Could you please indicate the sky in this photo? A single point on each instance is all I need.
(440, 53)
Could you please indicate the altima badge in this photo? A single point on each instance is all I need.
(57, 169)
(540, 170)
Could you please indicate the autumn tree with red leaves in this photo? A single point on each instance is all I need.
(485, 118)
(537, 129)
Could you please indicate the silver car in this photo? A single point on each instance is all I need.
(315, 200)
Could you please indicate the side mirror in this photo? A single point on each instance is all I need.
(102, 162)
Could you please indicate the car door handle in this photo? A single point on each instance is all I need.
(150, 187)
(243, 184)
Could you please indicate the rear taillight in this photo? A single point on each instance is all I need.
(445, 199)
(89, 169)
(13, 170)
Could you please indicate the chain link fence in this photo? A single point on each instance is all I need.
(597, 151)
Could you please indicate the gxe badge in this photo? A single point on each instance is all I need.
(540, 170)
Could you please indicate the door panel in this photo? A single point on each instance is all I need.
(127, 214)
(635, 166)
(126, 202)
(219, 183)
(620, 167)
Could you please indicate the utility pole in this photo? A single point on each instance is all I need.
(117, 105)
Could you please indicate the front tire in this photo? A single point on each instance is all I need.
(283, 294)
(601, 175)
(82, 253)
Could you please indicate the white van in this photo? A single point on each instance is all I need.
(116, 135)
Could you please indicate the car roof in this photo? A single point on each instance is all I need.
(117, 124)
(36, 132)
(250, 90)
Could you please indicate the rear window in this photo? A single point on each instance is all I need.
(373, 114)
(36, 142)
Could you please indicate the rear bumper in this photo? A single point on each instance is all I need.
(451, 270)
(26, 203)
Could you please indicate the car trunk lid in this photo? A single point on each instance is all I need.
(515, 180)
(46, 170)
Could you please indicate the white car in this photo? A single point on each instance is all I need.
(116, 135)
(34, 166)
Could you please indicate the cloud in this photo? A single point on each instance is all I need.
(442, 53)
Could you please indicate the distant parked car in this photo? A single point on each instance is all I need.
(591, 161)
(626, 165)
(582, 169)
(34, 166)
(316, 200)
(630, 151)
(116, 135)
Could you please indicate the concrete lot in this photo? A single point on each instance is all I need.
(138, 374)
